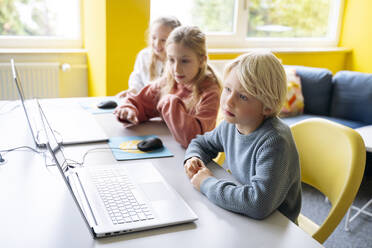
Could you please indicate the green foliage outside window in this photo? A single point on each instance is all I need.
(9, 19)
(214, 15)
(303, 18)
(281, 18)
(38, 21)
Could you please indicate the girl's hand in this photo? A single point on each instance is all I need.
(192, 166)
(126, 114)
(200, 176)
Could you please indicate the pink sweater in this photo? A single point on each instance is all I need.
(183, 124)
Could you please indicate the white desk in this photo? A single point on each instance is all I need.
(36, 209)
(366, 133)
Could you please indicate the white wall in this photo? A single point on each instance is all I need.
(219, 66)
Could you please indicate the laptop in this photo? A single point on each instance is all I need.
(30, 109)
(117, 199)
(73, 125)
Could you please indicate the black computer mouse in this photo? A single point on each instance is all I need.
(107, 104)
(150, 144)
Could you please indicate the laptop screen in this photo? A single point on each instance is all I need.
(27, 105)
(55, 149)
(51, 138)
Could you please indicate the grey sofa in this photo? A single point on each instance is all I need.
(345, 98)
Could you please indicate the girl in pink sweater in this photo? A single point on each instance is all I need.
(186, 97)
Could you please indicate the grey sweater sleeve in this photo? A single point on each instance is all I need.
(205, 146)
(267, 187)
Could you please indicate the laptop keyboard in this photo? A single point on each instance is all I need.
(121, 198)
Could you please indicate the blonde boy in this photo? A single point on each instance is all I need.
(259, 147)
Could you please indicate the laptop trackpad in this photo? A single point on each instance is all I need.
(156, 191)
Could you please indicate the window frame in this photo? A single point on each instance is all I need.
(238, 38)
(44, 42)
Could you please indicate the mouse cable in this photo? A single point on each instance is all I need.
(97, 149)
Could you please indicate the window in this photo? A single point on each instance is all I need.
(40, 24)
(258, 23)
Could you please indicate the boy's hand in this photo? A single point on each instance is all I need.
(192, 166)
(200, 176)
(126, 114)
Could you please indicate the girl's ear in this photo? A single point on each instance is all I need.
(203, 60)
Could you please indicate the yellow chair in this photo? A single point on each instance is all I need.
(332, 159)
(221, 156)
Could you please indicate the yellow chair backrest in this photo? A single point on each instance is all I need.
(221, 156)
(332, 159)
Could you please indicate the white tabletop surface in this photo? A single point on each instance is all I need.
(366, 133)
(36, 209)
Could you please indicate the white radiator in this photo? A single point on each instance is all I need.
(39, 80)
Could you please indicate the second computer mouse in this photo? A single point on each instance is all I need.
(107, 104)
(150, 144)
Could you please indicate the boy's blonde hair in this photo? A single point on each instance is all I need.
(169, 21)
(262, 75)
(191, 37)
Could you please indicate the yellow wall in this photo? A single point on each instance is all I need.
(127, 22)
(357, 34)
(94, 26)
(114, 32)
(333, 60)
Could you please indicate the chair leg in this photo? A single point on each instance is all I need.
(347, 220)
(359, 211)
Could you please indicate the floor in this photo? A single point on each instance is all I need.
(360, 235)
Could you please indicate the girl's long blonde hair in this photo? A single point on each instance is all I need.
(169, 21)
(191, 37)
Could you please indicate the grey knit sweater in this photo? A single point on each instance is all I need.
(265, 162)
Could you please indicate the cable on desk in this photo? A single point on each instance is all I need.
(43, 153)
(1, 159)
(9, 110)
(22, 147)
(74, 163)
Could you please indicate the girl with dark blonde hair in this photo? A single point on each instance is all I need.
(186, 96)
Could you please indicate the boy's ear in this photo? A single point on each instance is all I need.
(267, 111)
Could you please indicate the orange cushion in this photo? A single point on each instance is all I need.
(294, 104)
